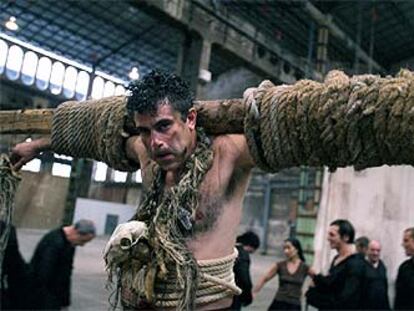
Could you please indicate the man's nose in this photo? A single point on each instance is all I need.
(156, 141)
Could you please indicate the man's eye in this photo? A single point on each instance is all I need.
(163, 127)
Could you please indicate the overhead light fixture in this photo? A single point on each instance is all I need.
(134, 73)
(11, 24)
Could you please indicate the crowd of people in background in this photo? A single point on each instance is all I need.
(357, 277)
(356, 280)
(45, 282)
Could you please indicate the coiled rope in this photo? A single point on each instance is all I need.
(93, 129)
(364, 121)
(216, 282)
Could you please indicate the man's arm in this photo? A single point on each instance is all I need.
(26, 151)
(400, 288)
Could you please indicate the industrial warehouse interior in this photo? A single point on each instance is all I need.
(85, 51)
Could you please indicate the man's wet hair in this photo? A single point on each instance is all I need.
(249, 238)
(85, 227)
(146, 94)
(345, 229)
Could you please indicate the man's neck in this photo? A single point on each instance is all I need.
(345, 250)
(373, 263)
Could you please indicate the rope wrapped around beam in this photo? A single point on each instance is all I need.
(93, 129)
(364, 121)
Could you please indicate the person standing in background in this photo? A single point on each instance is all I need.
(292, 273)
(246, 244)
(404, 285)
(342, 288)
(375, 295)
(361, 245)
(52, 263)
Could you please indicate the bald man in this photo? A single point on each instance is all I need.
(376, 285)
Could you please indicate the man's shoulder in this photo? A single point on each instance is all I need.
(54, 235)
(407, 264)
(233, 147)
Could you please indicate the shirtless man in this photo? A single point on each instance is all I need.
(165, 134)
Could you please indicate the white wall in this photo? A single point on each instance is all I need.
(98, 210)
(379, 202)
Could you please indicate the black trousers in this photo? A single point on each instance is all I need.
(281, 305)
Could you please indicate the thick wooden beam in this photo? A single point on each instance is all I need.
(217, 117)
(29, 121)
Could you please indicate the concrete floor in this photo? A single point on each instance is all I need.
(89, 277)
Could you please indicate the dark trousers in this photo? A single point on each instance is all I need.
(281, 305)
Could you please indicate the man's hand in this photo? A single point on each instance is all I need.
(25, 152)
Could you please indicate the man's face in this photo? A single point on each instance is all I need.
(167, 138)
(334, 239)
(82, 239)
(374, 251)
(408, 243)
(250, 249)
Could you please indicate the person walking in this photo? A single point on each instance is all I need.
(292, 273)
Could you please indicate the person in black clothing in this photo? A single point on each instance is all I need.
(16, 276)
(375, 295)
(361, 245)
(246, 244)
(404, 285)
(342, 288)
(52, 263)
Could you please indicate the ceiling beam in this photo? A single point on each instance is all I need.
(338, 33)
(232, 34)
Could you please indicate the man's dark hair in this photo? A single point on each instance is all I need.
(362, 242)
(249, 238)
(147, 93)
(85, 227)
(411, 231)
(346, 229)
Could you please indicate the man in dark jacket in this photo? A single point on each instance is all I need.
(404, 285)
(342, 288)
(246, 244)
(15, 287)
(375, 294)
(52, 263)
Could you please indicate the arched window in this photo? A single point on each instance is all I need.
(60, 169)
(100, 171)
(120, 176)
(97, 88)
(3, 55)
(109, 89)
(69, 82)
(137, 177)
(29, 68)
(56, 78)
(14, 62)
(119, 90)
(43, 73)
(32, 166)
(82, 84)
